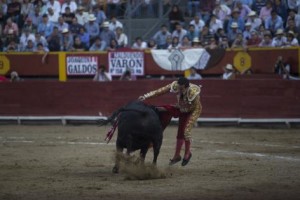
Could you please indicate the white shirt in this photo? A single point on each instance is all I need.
(194, 77)
(53, 18)
(73, 7)
(213, 27)
(55, 6)
(122, 40)
(140, 47)
(198, 26)
(113, 26)
(82, 19)
(226, 75)
(24, 39)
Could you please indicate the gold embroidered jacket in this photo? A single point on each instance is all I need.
(190, 103)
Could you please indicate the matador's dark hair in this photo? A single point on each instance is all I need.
(183, 81)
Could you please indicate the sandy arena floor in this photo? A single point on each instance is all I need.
(74, 162)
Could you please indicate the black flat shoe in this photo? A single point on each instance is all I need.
(174, 161)
(186, 161)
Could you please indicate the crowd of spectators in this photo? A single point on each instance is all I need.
(93, 25)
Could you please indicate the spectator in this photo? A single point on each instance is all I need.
(113, 45)
(35, 17)
(261, 31)
(205, 36)
(11, 27)
(223, 43)
(54, 40)
(265, 12)
(214, 24)
(29, 47)
(267, 40)
(160, 37)
(114, 23)
(291, 40)
(291, 26)
(232, 34)
(78, 45)
(14, 10)
(12, 46)
(92, 28)
(247, 31)
(257, 5)
(121, 37)
(254, 20)
(61, 25)
(55, 5)
(168, 42)
(212, 44)
(41, 49)
(29, 25)
(194, 75)
(295, 18)
(239, 41)
(101, 75)
(98, 45)
(243, 8)
(40, 39)
(222, 11)
(100, 14)
(139, 44)
(185, 43)
(84, 37)
(53, 17)
(68, 3)
(191, 33)
(151, 44)
(14, 77)
(42, 6)
(74, 28)
(82, 17)
(196, 43)
(220, 34)
(279, 40)
(193, 6)
(175, 17)
(45, 28)
(26, 9)
(179, 32)
(106, 34)
(68, 15)
(198, 24)
(254, 40)
(25, 37)
(128, 76)
(274, 22)
(281, 9)
(206, 9)
(229, 72)
(235, 18)
(292, 4)
(66, 42)
(175, 43)
(113, 7)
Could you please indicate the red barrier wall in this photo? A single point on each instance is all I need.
(263, 61)
(244, 98)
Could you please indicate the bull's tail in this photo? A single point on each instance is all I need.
(110, 119)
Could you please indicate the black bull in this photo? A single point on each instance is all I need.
(139, 126)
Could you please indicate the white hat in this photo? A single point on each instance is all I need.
(196, 39)
(65, 30)
(92, 17)
(279, 32)
(291, 32)
(105, 24)
(234, 25)
(248, 24)
(229, 67)
(252, 13)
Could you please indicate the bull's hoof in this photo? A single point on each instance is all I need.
(115, 170)
(175, 160)
(186, 161)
